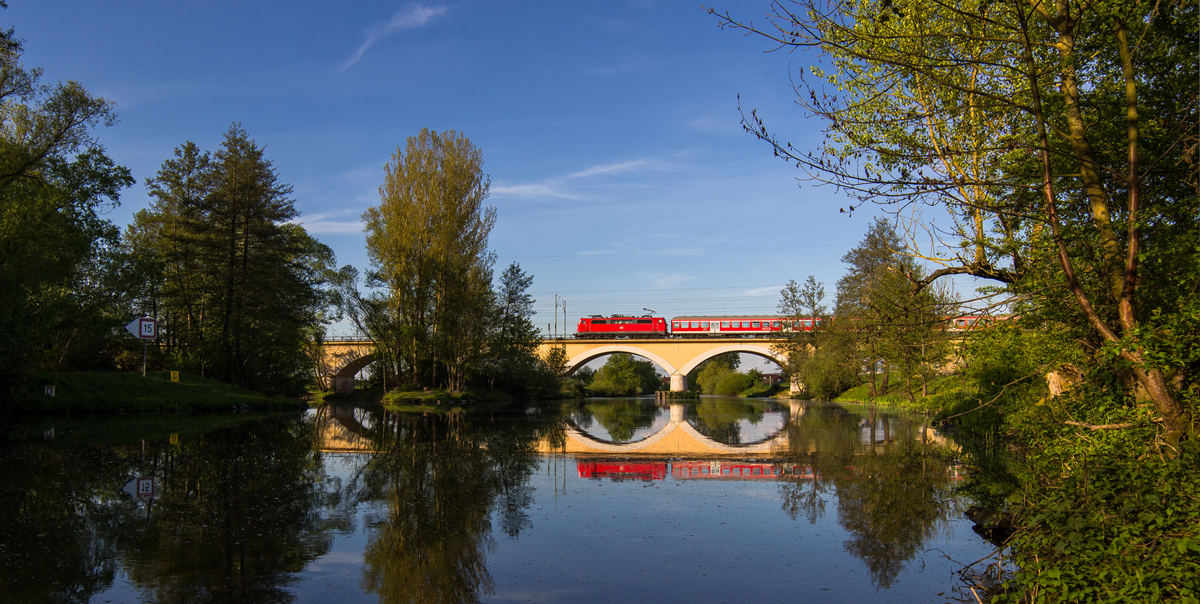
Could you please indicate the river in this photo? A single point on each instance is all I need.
(716, 500)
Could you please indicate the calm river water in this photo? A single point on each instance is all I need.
(608, 500)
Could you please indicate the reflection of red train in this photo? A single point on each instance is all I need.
(623, 470)
(725, 469)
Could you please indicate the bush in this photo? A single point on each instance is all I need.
(733, 383)
(1120, 529)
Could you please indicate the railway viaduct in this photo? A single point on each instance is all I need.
(342, 358)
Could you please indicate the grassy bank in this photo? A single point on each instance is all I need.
(940, 390)
(130, 392)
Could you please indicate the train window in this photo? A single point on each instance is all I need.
(695, 325)
(806, 322)
(737, 324)
(724, 324)
(675, 324)
(775, 324)
(704, 325)
(756, 324)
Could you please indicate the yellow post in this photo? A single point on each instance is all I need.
(174, 376)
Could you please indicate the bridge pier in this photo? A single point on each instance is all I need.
(678, 382)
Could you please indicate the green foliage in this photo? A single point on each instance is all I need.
(621, 418)
(427, 242)
(734, 383)
(1117, 529)
(624, 375)
(238, 288)
(56, 286)
(708, 373)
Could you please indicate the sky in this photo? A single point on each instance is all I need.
(611, 133)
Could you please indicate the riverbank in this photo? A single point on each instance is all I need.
(424, 401)
(121, 392)
(940, 390)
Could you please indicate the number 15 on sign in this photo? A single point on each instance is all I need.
(143, 328)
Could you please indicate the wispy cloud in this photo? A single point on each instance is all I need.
(538, 190)
(411, 17)
(326, 224)
(670, 281)
(556, 187)
(763, 291)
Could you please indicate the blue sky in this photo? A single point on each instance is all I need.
(610, 130)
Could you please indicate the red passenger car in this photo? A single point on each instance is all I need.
(620, 326)
(740, 325)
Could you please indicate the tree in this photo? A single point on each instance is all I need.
(803, 306)
(1059, 138)
(703, 377)
(240, 287)
(55, 182)
(427, 242)
(624, 375)
(512, 349)
(889, 319)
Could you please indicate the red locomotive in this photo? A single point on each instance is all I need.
(621, 326)
(622, 470)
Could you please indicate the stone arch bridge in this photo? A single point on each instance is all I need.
(344, 357)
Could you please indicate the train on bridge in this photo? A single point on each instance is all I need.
(740, 326)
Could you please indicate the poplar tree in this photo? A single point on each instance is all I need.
(427, 243)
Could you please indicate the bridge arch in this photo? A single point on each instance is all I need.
(755, 349)
(587, 356)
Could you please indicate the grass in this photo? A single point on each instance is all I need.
(897, 396)
(97, 391)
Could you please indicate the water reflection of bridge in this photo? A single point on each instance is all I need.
(344, 429)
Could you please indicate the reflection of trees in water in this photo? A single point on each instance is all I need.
(237, 515)
(720, 419)
(441, 478)
(621, 418)
(52, 547)
(892, 496)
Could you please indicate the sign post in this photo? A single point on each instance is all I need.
(143, 328)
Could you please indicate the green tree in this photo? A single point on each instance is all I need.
(55, 183)
(624, 375)
(808, 318)
(427, 242)
(704, 376)
(513, 340)
(868, 296)
(1060, 140)
(240, 287)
